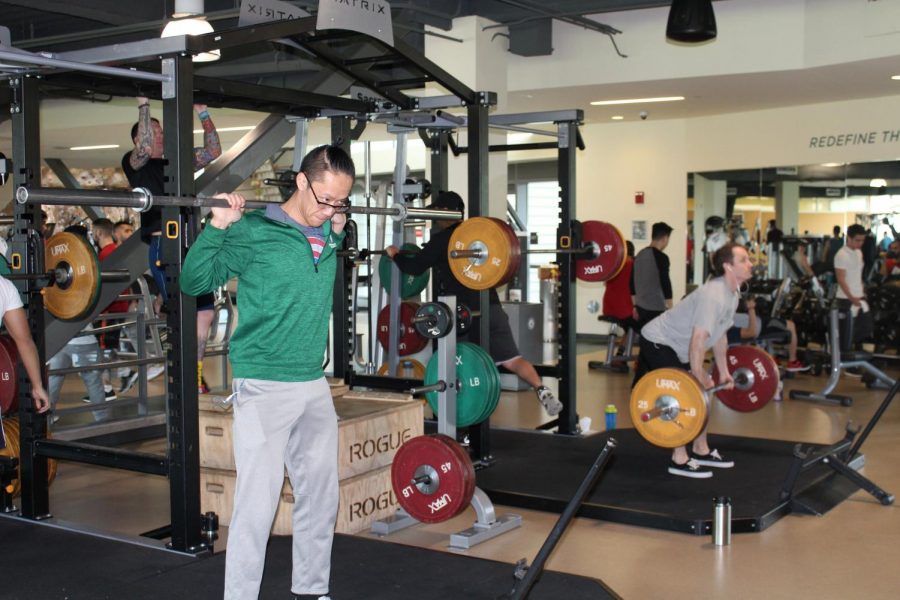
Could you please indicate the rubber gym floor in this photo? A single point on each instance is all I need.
(850, 552)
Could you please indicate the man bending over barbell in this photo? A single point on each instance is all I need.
(503, 347)
(681, 336)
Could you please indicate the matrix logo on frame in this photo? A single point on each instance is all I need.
(866, 138)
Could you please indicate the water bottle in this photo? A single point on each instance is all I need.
(721, 525)
(611, 413)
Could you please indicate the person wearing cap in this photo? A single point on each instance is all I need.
(433, 256)
(651, 288)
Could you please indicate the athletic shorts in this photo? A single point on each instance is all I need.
(656, 356)
(502, 344)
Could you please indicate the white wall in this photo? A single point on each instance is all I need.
(784, 137)
(620, 159)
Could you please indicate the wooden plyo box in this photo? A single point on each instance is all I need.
(369, 432)
(363, 499)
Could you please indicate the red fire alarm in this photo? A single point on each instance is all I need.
(639, 197)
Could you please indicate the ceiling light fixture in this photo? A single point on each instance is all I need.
(691, 21)
(188, 20)
(100, 147)
(895, 77)
(637, 100)
(617, 117)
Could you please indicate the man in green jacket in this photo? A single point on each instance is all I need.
(285, 262)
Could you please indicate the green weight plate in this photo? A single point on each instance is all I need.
(491, 389)
(493, 392)
(474, 383)
(410, 285)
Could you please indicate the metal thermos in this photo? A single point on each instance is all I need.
(721, 524)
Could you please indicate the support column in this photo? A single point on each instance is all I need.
(787, 206)
(480, 63)
(709, 200)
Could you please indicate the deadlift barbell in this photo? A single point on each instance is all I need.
(72, 278)
(141, 200)
(670, 408)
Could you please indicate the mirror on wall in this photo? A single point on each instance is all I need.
(806, 201)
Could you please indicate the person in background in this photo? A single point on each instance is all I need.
(122, 230)
(617, 301)
(851, 296)
(81, 351)
(144, 167)
(502, 346)
(650, 285)
(102, 230)
(16, 323)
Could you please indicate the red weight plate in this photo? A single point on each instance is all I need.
(410, 341)
(469, 472)
(761, 383)
(446, 492)
(610, 252)
(515, 256)
(9, 384)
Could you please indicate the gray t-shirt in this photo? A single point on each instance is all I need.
(710, 307)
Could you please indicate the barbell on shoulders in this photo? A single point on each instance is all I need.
(141, 200)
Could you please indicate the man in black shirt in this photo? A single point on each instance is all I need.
(503, 347)
(651, 288)
(144, 167)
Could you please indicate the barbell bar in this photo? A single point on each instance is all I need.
(141, 200)
(740, 379)
(62, 276)
(590, 251)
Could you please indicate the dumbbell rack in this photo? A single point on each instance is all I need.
(487, 524)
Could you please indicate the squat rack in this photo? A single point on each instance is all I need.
(351, 54)
(437, 136)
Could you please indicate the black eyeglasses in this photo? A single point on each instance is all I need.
(338, 207)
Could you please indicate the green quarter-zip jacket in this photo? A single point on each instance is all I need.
(284, 297)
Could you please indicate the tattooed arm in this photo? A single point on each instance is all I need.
(211, 147)
(143, 144)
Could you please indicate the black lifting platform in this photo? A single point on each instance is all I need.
(541, 471)
(42, 561)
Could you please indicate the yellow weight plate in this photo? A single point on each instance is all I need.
(488, 236)
(669, 407)
(77, 295)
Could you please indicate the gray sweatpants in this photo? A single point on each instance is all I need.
(278, 424)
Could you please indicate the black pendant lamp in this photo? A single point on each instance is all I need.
(691, 21)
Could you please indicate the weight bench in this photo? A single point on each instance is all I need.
(842, 360)
(619, 364)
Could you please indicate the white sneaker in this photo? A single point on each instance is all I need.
(154, 371)
(549, 401)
